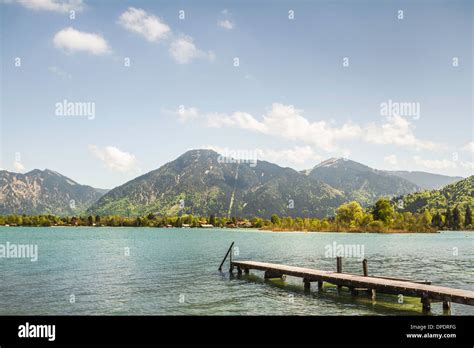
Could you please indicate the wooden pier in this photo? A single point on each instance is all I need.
(360, 283)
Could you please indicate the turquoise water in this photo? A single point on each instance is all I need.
(82, 271)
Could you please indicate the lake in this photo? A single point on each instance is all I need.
(154, 271)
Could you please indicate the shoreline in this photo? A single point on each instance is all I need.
(390, 231)
(352, 231)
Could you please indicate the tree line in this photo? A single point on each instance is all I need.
(381, 217)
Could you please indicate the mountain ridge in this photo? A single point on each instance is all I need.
(426, 180)
(360, 182)
(460, 193)
(203, 182)
(204, 185)
(43, 192)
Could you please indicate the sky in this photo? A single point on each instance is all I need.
(104, 91)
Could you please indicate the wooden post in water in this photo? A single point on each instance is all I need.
(339, 268)
(225, 257)
(320, 285)
(339, 264)
(231, 252)
(365, 268)
(426, 302)
(307, 284)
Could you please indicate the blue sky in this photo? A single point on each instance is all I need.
(291, 99)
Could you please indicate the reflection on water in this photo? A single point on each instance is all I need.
(125, 271)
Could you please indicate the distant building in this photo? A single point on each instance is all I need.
(244, 224)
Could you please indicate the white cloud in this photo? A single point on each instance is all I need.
(18, 167)
(226, 24)
(71, 40)
(391, 160)
(147, 25)
(287, 122)
(183, 50)
(114, 158)
(397, 131)
(469, 147)
(185, 114)
(59, 72)
(60, 6)
(435, 164)
(445, 165)
(237, 119)
(467, 165)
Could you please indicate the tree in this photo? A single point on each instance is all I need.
(448, 219)
(287, 222)
(376, 226)
(468, 217)
(275, 219)
(90, 220)
(189, 219)
(257, 222)
(212, 220)
(367, 218)
(456, 219)
(74, 221)
(383, 211)
(437, 221)
(426, 218)
(299, 223)
(43, 221)
(350, 214)
(138, 222)
(193, 221)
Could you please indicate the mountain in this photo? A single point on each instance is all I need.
(201, 182)
(101, 191)
(359, 182)
(460, 193)
(427, 181)
(43, 192)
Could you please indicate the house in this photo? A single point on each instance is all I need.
(244, 224)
